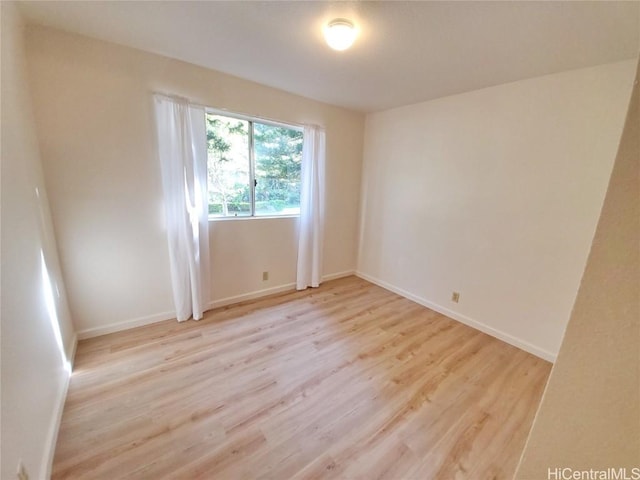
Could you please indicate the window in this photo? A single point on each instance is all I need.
(253, 167)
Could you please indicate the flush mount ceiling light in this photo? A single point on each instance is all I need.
(340, 34)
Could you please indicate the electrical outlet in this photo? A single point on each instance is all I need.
(265, 276)
(21, 473)
(455, 297)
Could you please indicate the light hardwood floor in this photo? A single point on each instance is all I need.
(344, 381)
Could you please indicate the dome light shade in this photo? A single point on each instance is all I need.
(340, 34)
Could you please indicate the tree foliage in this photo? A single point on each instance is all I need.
(227, 139)
(277, 155)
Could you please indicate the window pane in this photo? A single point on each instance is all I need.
(228, 165)
(278, 156)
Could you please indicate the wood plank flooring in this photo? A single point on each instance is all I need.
(345, 381)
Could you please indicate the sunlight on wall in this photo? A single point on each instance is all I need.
(51, 308)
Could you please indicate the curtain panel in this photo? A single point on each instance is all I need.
(182, 150)
(311, 226)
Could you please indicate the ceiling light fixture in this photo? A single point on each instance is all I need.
(340, 34)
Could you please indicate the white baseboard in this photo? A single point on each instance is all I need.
(335, 276)
(222, 302)
(500, 335)
(54, 428)
(125, 325)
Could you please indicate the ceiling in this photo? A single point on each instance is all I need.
(406, 52)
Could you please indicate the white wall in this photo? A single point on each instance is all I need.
(34, 377)
(594, 388)
(248, 248)
(95, 122)
(494, 194)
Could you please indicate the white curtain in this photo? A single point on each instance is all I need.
(310, 233)
(182, 147)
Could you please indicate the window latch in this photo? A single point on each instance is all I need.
(255, 182)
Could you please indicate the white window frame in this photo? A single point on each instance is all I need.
(252, 178)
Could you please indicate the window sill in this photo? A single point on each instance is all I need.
(247, 217)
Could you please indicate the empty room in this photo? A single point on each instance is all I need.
(304, 239)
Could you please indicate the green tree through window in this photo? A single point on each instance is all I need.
(278, 154)
(253, 167)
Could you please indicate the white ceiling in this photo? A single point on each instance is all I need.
(406, 52)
